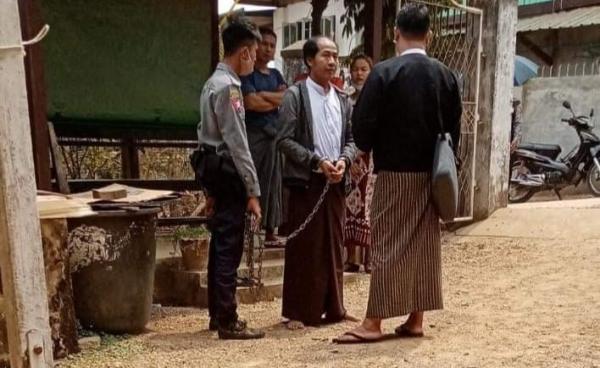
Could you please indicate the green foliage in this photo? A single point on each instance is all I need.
(354, 21)
(105, 162)
(188, 232)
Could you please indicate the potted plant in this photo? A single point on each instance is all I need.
(193, 243)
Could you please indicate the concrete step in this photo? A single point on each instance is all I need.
(271, 269)
(273, 289)
(268, 254)
(188, 288)
(166, 248)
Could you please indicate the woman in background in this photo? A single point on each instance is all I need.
(357, 233)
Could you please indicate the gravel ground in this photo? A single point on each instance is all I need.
(508, 303)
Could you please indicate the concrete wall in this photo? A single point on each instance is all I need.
(542, 108)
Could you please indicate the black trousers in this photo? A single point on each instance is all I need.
(226, 244)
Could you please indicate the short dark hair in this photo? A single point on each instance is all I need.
(361, 56)
(267, 31)
(311, 48)
(413, 20)
(239, 33)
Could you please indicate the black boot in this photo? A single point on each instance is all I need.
(238, 330)
(213, 324)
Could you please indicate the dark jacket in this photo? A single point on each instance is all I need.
(401, 109)
(297, 134)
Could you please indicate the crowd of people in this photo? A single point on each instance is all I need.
(364, 152)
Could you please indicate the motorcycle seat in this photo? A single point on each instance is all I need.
(547, 161)
(549, 150)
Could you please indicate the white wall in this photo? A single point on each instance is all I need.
(302, 10)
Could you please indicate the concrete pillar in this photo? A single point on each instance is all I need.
(499, 44)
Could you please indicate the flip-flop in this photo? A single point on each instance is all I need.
(402, 331)
(357, 339)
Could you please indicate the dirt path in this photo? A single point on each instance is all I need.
(510, 302)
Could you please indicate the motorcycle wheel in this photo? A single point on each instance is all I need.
(519, 193)
(593, 179)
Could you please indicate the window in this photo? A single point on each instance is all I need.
(286, 36)
(307, 29)
(296, 31)
(290, 34)
(301, 30)
(328, 26)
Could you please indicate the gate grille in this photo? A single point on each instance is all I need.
(456, 42)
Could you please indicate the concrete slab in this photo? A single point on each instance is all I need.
(568, 220)
(572, 203)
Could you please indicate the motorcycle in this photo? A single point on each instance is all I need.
(536, 167)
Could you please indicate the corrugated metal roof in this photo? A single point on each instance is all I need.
(567, 19)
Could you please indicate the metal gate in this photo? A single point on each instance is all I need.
(457, 31)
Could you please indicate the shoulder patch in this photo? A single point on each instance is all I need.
(235, 99)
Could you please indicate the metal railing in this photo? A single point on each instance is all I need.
(577, 69)
(531, 2)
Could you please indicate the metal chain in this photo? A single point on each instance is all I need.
(256, 282)
(303, 226)
(249, 246)
(261, 249)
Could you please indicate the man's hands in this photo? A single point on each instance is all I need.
(334, 174)
(254, 207)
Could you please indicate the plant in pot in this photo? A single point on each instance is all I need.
(193, 243)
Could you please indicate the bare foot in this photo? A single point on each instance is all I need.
(359, 335)
(294, 325)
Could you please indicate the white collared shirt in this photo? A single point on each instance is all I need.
(414, 51)
(327, 120)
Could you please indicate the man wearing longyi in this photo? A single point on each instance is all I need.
(404, 104)
(318, 148)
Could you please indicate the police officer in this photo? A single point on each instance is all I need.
(228, 176)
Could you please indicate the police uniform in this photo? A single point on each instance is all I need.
(227, 173)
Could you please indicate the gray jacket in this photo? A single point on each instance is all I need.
(222, 124)
(297, 135)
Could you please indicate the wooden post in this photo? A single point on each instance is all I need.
(31, 21)
(130, 159)
(373, 28)
(215, 36)
(21, 257)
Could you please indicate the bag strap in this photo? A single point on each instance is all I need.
(443, 133)
(302, 110)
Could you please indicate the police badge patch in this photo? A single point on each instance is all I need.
(236, 100)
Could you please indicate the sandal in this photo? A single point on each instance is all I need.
(403, 331)
(352, 337)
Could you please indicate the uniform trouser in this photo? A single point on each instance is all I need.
(226, 245)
